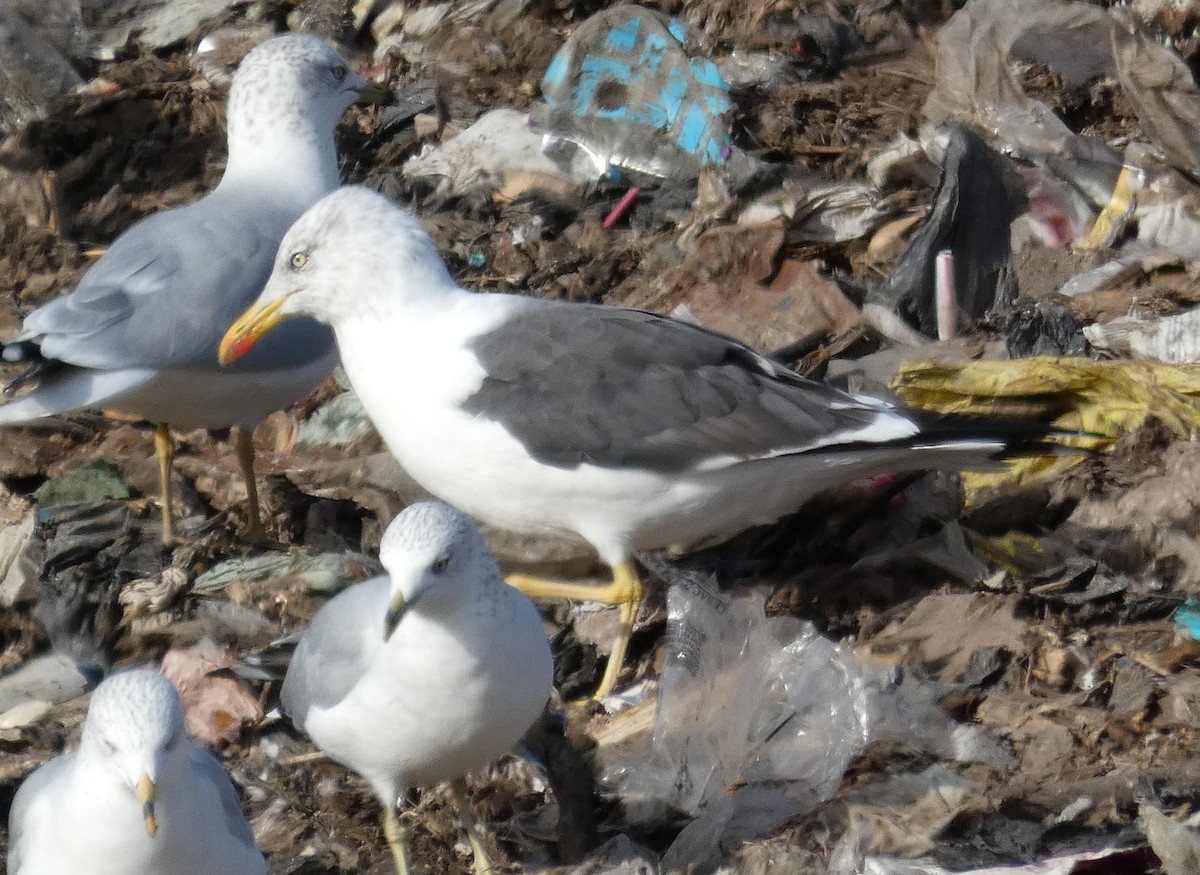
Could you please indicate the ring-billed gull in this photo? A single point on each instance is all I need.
(425, 674)
(140, 332)
(634, 430)
(137, 796)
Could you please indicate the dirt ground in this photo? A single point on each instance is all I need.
(1043, 612)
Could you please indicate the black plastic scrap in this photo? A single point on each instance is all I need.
(970, 217)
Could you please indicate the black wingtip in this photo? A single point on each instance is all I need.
(1020, 436)
(29, 353)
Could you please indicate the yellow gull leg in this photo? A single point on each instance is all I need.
(481, 864)
(625, 591)
(164, 449)
(243, 442)
(397, 839)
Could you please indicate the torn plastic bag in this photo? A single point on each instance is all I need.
(1078, 394)
(625, 92)
(981, 54)
(970, 218)
(499, 145)
(758, 718)
(1171, 339)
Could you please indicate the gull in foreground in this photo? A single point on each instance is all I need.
(631, 429)
(139, 333)
(425, 674)
(137, 796)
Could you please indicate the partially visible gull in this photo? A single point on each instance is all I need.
(139, 333)
(632, 429)
(425, 674)
(137, 796)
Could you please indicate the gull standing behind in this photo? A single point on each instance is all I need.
(140, 332)
(423, 675)
(631, 429)
(137, 796)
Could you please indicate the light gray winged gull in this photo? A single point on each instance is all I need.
(139, 333)
(425, 674)
(634, 430)
(137, 796)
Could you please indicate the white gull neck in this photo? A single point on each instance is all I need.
(290, 156)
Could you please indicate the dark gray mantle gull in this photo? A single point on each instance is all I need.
(632, 429)
(139, 333)
(137, 796)
(425, 674)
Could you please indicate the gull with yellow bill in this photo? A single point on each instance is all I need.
(424, 674)
(139, 333)
(631, 429)
(137, 796)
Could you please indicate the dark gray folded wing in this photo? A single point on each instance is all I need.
(625, 388)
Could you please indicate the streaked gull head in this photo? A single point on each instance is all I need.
(293, 85)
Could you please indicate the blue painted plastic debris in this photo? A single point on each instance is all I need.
(1187, 618)
(624, 90)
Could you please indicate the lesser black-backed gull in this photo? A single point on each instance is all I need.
(631, 429)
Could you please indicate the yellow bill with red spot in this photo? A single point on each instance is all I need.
(248, 330)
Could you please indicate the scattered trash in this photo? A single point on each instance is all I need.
(1177, 845)
(1094, 398)
(488, 155)
(758, 718)
(1169, 339)
(1114, 860)
(625, 91)
(34, 72)
(41, 683)
(326, 572)
(989, 688)
(90, 482)
(337, 423)
(730, 283)
(969, 219)
(153, 25)
(1187, 618)
(19, 563)
(217, 707)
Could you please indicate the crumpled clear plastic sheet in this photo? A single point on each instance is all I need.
(980, 54)
(1170, 339)
(816, 209)
(500, 144)
(978, 82)
(978, 77)
(758, 718)
(625, 91)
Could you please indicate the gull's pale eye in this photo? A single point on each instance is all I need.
(441, 565)
(299, 260)
(339, 72)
